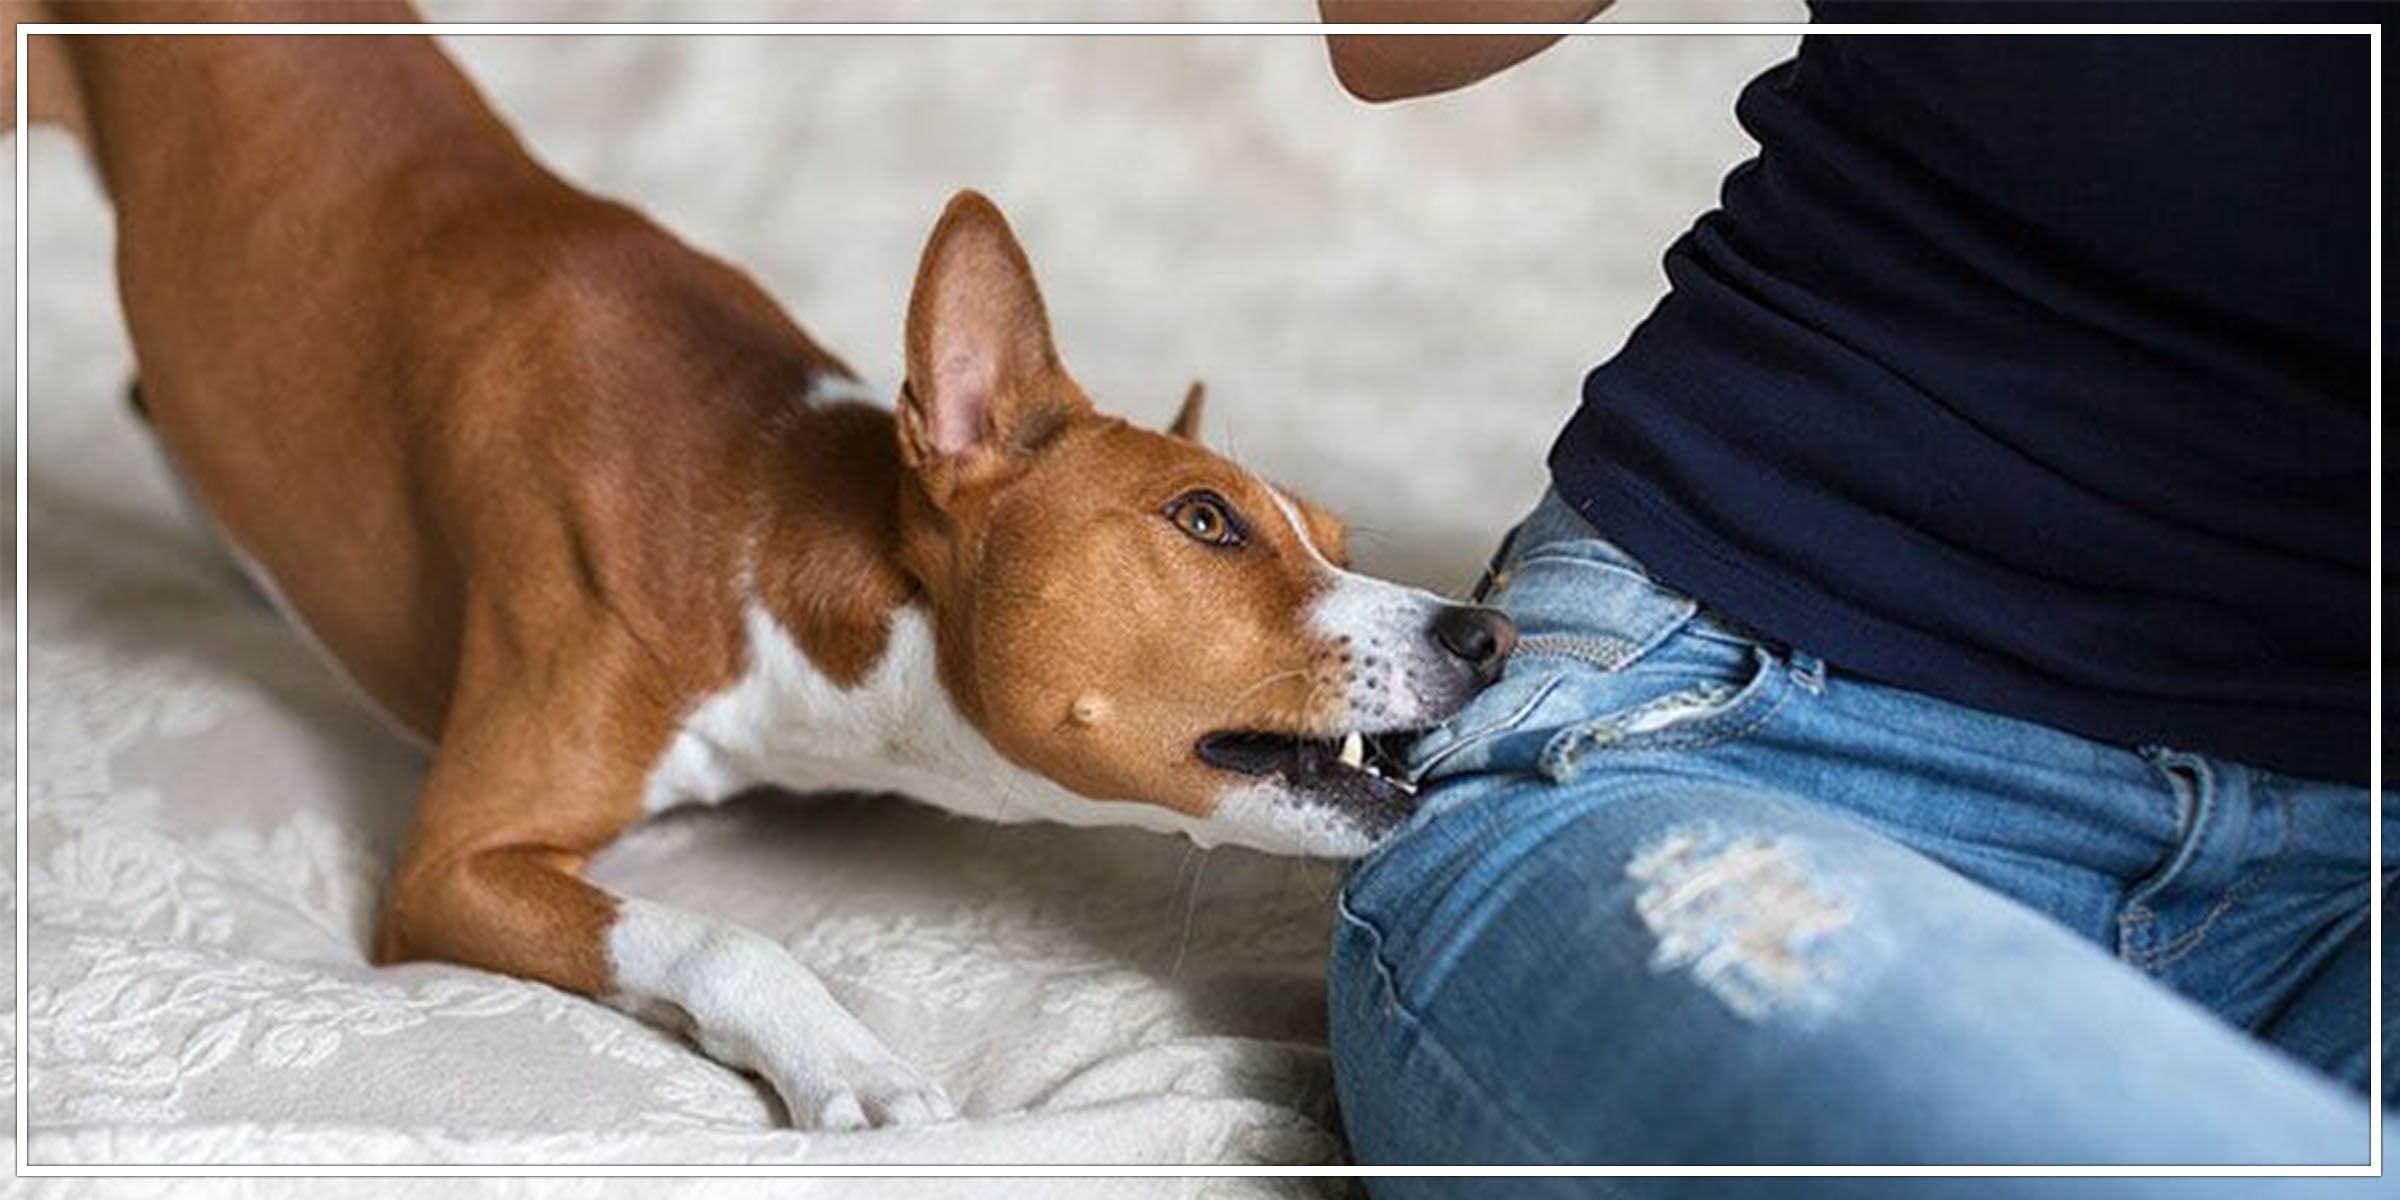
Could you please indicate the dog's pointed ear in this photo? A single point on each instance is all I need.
(985, 387)
(1187, 418)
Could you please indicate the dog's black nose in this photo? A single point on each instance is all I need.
(1478, 637)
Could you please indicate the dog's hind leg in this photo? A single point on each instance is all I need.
(254, 579)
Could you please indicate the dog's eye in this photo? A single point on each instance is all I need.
(1203, 517)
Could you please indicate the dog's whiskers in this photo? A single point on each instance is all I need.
(1191, 905)
(1233, 706)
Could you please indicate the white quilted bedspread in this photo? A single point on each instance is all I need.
(1392, 308)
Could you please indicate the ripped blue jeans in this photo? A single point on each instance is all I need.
(1679, 896)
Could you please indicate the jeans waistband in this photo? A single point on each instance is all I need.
(1554, 521)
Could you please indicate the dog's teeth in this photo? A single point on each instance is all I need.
(1354, 751)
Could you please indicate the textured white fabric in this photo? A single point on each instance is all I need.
(1392, 308)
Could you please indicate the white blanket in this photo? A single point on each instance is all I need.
(1392, 308)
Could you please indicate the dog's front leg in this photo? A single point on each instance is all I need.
(528, 784)
(749, 1003)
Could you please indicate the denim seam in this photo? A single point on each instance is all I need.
(1464, 741)
(1633, 572)
(1573, 743)
(2195, 793)
(1609, 654)
(1708, 625)
(1387, 980)
(2184, 944)
(1495, 571)
(1687, 610)
(1694, 739)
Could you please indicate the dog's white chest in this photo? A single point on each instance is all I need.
(784, 724)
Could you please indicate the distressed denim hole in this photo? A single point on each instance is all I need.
(1745, 915)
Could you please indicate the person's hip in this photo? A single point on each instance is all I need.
(2151, 851)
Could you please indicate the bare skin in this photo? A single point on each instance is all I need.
(1379, 68)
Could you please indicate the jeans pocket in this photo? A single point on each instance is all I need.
(1682, 710)
(1471, 741)
(1607, 657)
(1552, 714)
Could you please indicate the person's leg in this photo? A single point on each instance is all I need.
(2324, 1022)
(2245, 891)
(2263, 916)
(1641, 968)
(1662, 905)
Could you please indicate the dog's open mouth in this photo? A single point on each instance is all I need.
(1360, 773)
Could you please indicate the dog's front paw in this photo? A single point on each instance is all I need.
(750, 1005)
(859, 1093)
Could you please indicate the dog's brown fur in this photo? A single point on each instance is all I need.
(518, 457)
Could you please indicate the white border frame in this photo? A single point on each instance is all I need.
(2373, 33)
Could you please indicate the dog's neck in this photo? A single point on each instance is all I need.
(787, 721)
(820, 542)
(840, 683)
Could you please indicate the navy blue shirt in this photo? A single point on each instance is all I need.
(2029, 372)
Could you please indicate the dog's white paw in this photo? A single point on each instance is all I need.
(752, 1006)
(861, 1094)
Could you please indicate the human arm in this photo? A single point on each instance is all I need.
(1379, 67)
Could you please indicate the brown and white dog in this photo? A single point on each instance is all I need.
(584, 509)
